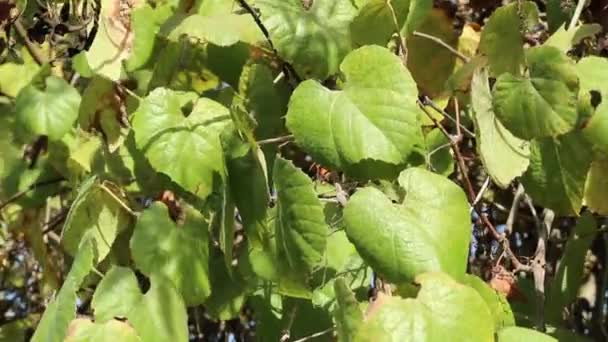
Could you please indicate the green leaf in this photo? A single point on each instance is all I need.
(180, 253)
(502, 39)
(187, 149)
(591, 71)
(518, 334)
(227, 291)
(247, 179)
(146, 23)
(424, 54)
(443, 311)
(82, 329)
(97, 213)
(374, 24)
(565, 39)
(116, 294)
(596, 188)
(54, 323)
(113, 41)
(504, 156)
(496, 302)
(183, 66)
(301, 231)
(368, 128)
(557, 172)
(49, 111)
(104, 109)
(220, 29)
(569, 277)
(429, 232)
(161, 314)
(314, 40)
(14, 77)
(543, 105)
(347, 314)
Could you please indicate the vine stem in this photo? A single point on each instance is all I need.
(22, 193)
(29, 45)
(277, 140)
(577, 14)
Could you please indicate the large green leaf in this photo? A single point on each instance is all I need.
(116, 294)
(161, 314)
(83, 329)
(113, 41)
(502, 37)
(557, 172)
(49, 110)
(301, 231)
(370, 126)
(545, 104)
(518, 334)
(503, 155)
(347, 314)
(496, 302)
(569, 277)
(180, 253)
(220, 29)
(95, 212)
(14, 77)
(429, 232)
(443, 311)
(146, 23)
(374, 24)
(187, 149)
(424, 54)
(54, 323)
(596, 188)
(593, 75)
(314, 40)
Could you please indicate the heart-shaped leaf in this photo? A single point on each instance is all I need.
(179, 253)
(557, 172)
(443, 311)
(543, 105)
(366, 128)
(314, 40)
(95, 211)
(187, 149)
(116, 294)
(504, 30)
(50, 111)
(301, 231)
(429, 232)
(503, 155)
(161, 313)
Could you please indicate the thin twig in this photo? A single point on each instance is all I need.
(444, 44)
(320, 333)
(402, 47)
(577, 14)
(118, 200)
(483, 188)
(287, 331)
(538, 267)
(278, 140)
(519, 194)
(22, 193)
(29, 45)
(49, 225)
(430, 103)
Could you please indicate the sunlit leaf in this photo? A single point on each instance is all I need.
(116, 294)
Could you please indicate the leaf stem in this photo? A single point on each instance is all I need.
(428, 101)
